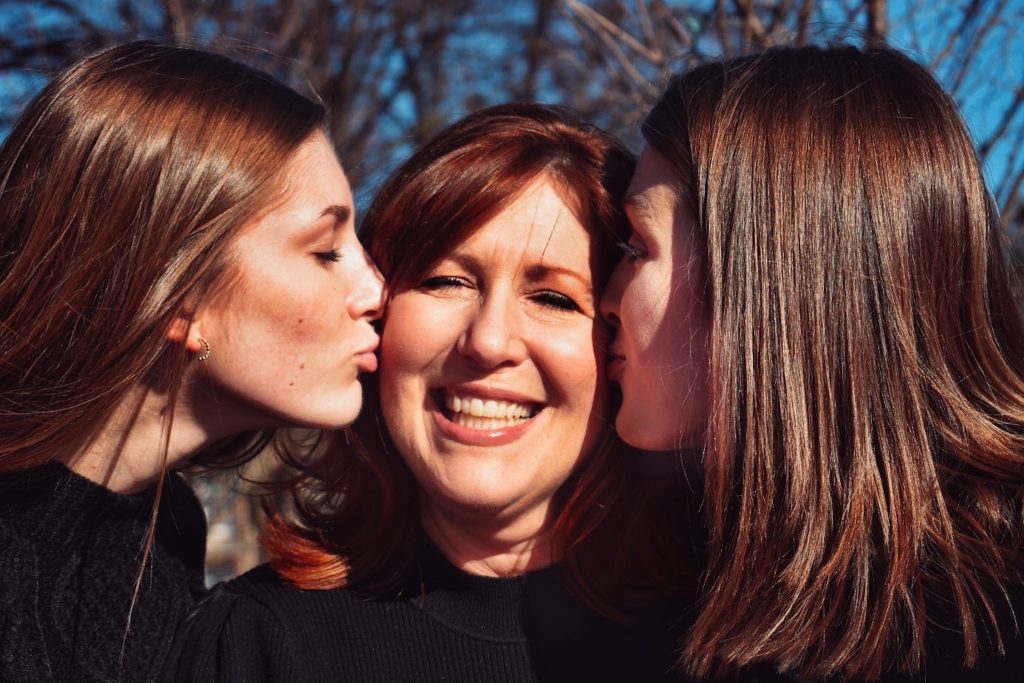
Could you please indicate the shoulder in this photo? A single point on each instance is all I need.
(259, 600)
(23, 643)
(260, 627)
(571, 641)
(69, 563)
(262, 588)
(236, 633)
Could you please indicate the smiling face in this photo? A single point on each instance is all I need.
(489, 370)
(293, 333)
(655, 299)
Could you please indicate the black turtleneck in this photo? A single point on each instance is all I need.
(70, 554)
(443, 625)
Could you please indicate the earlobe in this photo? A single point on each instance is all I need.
(186, 331)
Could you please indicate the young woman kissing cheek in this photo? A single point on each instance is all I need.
(288, 348)
(656, 301)
(489, 369)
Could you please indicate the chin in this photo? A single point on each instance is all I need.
(476, 498)
(341, 415)
(638, 433)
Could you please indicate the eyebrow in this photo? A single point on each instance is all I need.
(637, 201)
(535, 272)
(340, 213)
(540, 271)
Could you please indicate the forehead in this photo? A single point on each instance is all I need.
(314, 170)
(538, 225)
(655, 186)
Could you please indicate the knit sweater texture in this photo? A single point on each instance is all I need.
(442, 625)
(70, 554)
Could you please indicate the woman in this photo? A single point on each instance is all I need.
(816, 296)
(438, 540)
(179, 274)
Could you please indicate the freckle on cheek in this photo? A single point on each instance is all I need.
(302, 366)
(302, 320)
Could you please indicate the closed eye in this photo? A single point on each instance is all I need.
(556, 300)
(444, 282)
(332, 256)
(632, 252)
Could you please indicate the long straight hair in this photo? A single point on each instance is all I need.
(865, 450)
(121, 186)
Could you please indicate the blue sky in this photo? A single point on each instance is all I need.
(918, 27)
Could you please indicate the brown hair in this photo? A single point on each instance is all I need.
(358, 507)
(865, 452)
(121, 186)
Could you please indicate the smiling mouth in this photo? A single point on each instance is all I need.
(474, 412)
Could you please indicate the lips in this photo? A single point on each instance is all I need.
(366, 359)
(616, 368)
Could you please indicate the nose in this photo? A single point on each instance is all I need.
(494, 336)
(367, 298)
(612, 296)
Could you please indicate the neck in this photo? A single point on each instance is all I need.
(135, 448)
(491, 547)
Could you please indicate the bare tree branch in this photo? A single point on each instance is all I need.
(974, 46)
(985, 148)
(803, 21)
(878, 25)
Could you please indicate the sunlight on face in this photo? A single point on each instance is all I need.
(290, 341)
(655, 298)
(490, 377)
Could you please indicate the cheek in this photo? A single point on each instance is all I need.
(297, 305)
(396, 363)
(575, 365)
(644, 307)
(410, 343)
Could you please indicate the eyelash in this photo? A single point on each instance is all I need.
(332, 256)
(442, 282)
(632, 254)
(555, 300)
(545, 298)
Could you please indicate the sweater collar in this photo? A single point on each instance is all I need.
(485, 607)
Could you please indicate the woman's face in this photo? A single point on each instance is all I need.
(655, 298)
(290, 338)
(490, 364)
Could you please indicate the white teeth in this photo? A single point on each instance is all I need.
(490, 423)
(478, 413)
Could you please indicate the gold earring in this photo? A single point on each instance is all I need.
(206, 349)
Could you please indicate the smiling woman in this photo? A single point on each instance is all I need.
(493, 409)
(483, 522)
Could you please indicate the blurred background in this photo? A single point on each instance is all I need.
(393, 72)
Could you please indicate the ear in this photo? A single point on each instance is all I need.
(186, 331)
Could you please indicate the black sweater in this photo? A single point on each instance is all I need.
(443, 625)
(70, 553)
